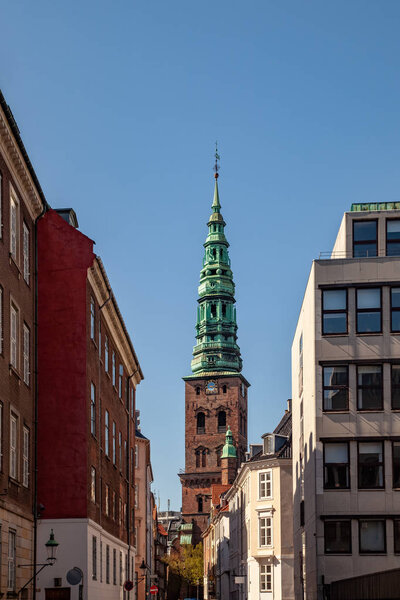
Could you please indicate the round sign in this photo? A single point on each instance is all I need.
(74, 576)
(154, 589)
(128, 586)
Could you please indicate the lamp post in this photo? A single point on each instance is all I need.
(51, 548)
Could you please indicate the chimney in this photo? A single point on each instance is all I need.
(289, 405)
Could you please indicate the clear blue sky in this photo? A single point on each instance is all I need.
(119, 105)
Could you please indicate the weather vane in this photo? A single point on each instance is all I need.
(217, 158)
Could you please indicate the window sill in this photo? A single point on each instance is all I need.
(338, 554)
(373, 489)
(369, 410)
(342, 334)
(368, 333)
(342, 411)
(339, 489)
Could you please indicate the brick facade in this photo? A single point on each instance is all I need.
(203, 445)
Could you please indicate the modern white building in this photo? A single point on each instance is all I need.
(346, 411)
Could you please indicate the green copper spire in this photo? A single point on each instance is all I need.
(229, 450)
(216, 348)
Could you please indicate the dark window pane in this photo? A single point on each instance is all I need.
(335, 323)
(396, 398)
(396, 320)
(369, 322)
(369, 298)
(395, 297)
(336, 476)
(364, 230)
(362, 250)
(370, 399)
(393, 230)
(371, 476)
(370, 375)
(335, 399)
(396, 465)
(334, 299)
(372, 536)
(335, 376)
(370, 465)
(393, 249)
(396, 533)
(338, 537)
(396, 386)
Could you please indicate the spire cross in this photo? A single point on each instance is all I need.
(217, 158)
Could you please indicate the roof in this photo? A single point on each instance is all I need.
(140, 435)
(284, 426)
(15, 131)
(161, 530)
(216, 491)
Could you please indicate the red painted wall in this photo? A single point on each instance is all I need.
(64, 255)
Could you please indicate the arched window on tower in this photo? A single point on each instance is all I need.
(213, 310)
(197, 391)
(224, 389)
(200, 504)
(224, 310)
(204, 458)
(197, 458)
(201, 422)
(221, 421)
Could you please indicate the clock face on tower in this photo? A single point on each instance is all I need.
(211, 387)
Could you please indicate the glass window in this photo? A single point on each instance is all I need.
(370, 465)
(93, 484)
(265, 578)
(365, 235)
(265, 530)
(221, 421)
(336, 465)
(107, 501)
(264, 485)
(395, 309)
(337, 537)
(107, 433)
(13, 229)
(393, 237)
(396, 535)
(114, 369)
(395, 380)
(369, 387)
(106, 354)
(13, 446)
(201, 422)
(92, 409)
(372, 536)
(92, 319)
(12, 542)
(26, 252)
(94, 557)
(14, 336)
(369, 314)
(114, 442)
(114, 566)
(107, 564)
(396, 464)
(336, 388)
(120, 380)
(26, 351)
(334, 311)
(25, 458)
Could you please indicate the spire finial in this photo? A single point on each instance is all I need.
(217, 158)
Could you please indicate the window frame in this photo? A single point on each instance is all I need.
(378, 464)
(93, 484)
(348, 477)
(25, 456)
(266, 527)
(394, 386)
(94, 557)
(362, 387)
(93, 411)
(335, 311)
(396, 540)
(330, 552)
(200, 430)
(264, 587)
(11, 560)
(393, 309)
(388, 242)
(363, 552)
(266, 484)
(14, 342)
(369, 310)
(393, 481)
(335, 387)
(107, 433)
(26, 351)
(13, 462)
(92, 319)
(371, 241)
(26, 236)
(14, 237)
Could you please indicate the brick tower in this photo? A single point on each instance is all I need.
(216, 392)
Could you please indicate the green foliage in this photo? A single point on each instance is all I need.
(187, 563)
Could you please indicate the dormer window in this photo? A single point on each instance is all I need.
(365, 238)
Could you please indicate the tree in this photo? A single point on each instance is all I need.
(187, 562)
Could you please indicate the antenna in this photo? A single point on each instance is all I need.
(216, 164)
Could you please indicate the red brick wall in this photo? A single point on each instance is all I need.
(198, 479)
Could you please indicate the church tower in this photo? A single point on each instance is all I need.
(216, 392)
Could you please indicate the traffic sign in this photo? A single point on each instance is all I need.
(154, 590)
(128, 586)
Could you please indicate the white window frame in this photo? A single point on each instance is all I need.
(27, 352)
(265, 572)
(26, 251)
(265, 530)
(265, 482)
(11, 570)
(13, 446)
(14, 329)
(25, 457)
(14, 219)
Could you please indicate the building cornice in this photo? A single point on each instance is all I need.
(100, 284)
(18, 163)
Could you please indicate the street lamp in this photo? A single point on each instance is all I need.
(51, 547)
